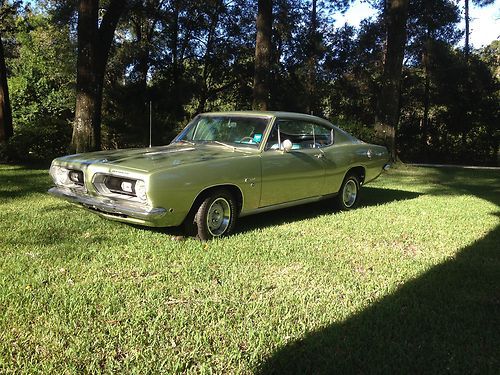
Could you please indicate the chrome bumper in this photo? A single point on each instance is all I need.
(109, 206)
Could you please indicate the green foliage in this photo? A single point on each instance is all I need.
(185, 57)
(193, 56)
(40, 143)
(464, 111)
(42, 90)
(359, 130)
(8, 15)
(490, 56)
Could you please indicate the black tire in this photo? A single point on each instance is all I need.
(348, 196)
(215, 216)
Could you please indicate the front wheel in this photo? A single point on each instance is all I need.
(216, 215)
(348, 195)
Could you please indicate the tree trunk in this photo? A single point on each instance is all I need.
(6, 130)
(263, 55)
(94, 44)
(396, 15)
(177, 52)
(312, 62)
(85, 137)
(467, 29)
(427, 84)
(143, 53)
(205, 89)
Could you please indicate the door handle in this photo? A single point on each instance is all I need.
(319, 156)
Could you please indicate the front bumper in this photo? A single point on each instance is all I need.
(119, 209)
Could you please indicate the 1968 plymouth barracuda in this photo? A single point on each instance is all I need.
(220, 167)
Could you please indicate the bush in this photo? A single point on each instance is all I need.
(37, 144)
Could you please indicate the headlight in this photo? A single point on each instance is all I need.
(76, 177)
(127, 186)
(124, 186)
(60, 175)
(140, 190)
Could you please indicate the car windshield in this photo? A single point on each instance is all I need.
(227, 130)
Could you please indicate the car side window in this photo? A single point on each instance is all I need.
(302, 134)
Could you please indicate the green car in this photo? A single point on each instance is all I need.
(220, 167)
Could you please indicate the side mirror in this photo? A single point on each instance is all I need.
(287, 145)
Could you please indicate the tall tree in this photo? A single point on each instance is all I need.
(313, 59)
(480, 3)
(5, 109)
(143, 22)
(429, 22)
(467, 26)
(6, 129)
(41, 88)
(94, 43)
(395, 16)
(208, 55)
(263, 55)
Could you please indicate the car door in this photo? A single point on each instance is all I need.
(297, 174)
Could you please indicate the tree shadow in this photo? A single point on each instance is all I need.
(19, 182)
(372, 196)
(446, 321)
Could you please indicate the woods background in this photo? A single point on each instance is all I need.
(79, 75)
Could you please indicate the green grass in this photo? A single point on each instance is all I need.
(409, 282)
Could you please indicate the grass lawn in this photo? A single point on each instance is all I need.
(407, 283)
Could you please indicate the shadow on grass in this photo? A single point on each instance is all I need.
(446, 321)
(376, 196)
(22, 182)
(18, 183)
(370, 197)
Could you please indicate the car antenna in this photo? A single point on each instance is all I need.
(150, 121)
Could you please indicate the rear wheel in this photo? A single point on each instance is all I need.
(215, 216)
(348, 196)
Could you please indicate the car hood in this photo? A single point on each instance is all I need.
(154, 158)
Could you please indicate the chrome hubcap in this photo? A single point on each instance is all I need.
(350, 193)
(218, 217)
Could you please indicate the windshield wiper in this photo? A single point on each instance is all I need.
(184, 141)
(225, 145)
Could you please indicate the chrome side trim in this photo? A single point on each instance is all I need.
(287, 204)
(111, 206)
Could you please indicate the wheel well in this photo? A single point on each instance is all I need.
(233, 189)
(359, 172)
